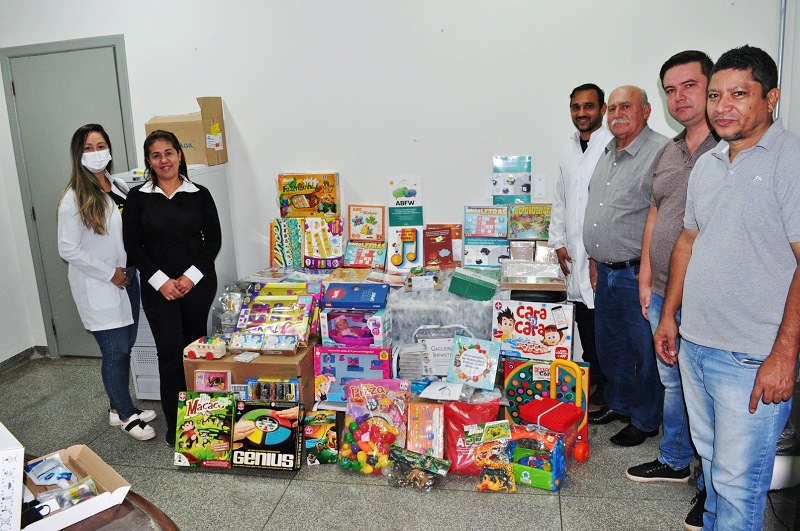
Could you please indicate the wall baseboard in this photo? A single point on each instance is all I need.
(27, 354)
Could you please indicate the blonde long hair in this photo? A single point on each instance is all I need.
(93, 202)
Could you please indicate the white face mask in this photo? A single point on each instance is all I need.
(96, 161)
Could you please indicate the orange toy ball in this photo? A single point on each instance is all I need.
(581, 452)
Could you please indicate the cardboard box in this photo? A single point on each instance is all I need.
(201, 134)
(279, 366)
(82, 461)
(12, 460)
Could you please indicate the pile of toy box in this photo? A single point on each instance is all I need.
(509, 408)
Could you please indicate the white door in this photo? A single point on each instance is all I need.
(54, 93)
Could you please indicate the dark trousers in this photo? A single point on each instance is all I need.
(584, 318)
(625, 348)
(175, 324)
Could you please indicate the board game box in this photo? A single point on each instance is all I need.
(529, 222)
(286, 242)
(366, 222)
(486, 221)
(204, 429)
(323, 243)
(302, 195)
(271, 435)
(533, 330)
(320, 431)
(369, 255)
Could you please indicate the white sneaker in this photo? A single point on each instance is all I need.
(138, 429)
(147, 415)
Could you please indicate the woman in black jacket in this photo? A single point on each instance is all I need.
(172, 235)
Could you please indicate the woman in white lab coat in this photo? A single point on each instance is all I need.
(105, 291)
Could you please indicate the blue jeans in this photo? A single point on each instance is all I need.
(676, 443)
(115, 346)
(737, 448)
(625, 350)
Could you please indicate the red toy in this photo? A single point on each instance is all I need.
(560, 416)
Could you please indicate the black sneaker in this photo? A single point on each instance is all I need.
(657, 471)
(694, 520)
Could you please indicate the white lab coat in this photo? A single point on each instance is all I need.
(93, 259)
(569, 207)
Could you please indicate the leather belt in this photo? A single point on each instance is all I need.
(622, 265)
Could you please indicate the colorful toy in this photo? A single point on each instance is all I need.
(275, 439)
(365, 255)
(286, 242)
(212, 381)
(415, 470)
(315, 289)
(278, 315)
(320, 433)
(562, 412)
(334, 367)
(533, 330)
(489, 442)
(203, 437)
(426, 428)
(366, 223)
(355, 328)
(529, 221)
(537, 457)
(458, 415)
(302, 195)
(323, 243)
(208, 347)
(273, 390)
(262, 343)
(374, 422)
(486, 221)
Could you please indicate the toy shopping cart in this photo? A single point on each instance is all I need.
(561, 411)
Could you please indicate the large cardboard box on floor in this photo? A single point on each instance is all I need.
(82, 461)
(201, 134)
(279, 366)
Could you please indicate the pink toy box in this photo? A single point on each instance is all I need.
(356, 328)
(335, 366)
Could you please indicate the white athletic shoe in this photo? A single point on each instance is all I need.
(148, 415)
(138, 429)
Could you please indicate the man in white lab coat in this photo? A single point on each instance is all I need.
(576, 165)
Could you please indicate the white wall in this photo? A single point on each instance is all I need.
(370, 89)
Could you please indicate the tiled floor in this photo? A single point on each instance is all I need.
(54, 403)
